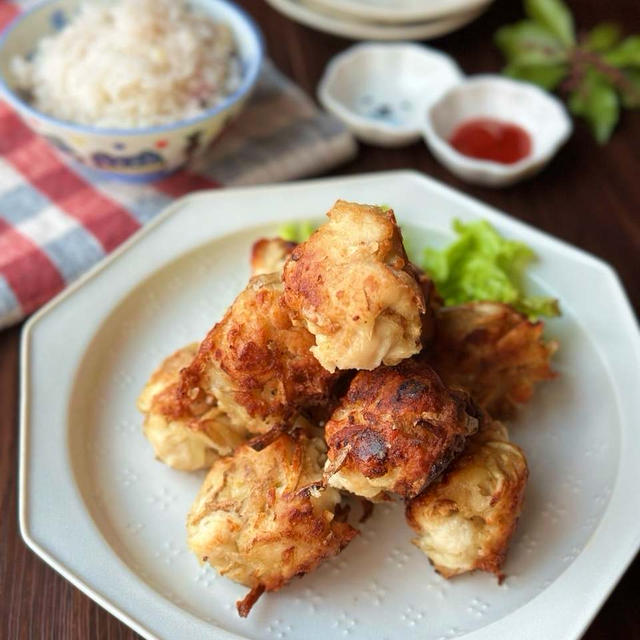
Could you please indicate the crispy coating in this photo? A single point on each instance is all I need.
(185, 438)
(493, 352)
(257, 364)
(352, 286)
(255, 523)
(396, 430)
(465, 521)
(268, 255)
(432, 301)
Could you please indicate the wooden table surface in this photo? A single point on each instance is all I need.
(588, 196)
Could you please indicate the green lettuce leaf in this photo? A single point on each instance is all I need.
(536, 306)
(482, 265)
(296, 231)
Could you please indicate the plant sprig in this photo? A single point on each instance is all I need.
(598, 72)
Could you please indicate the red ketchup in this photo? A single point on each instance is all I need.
(490, 139)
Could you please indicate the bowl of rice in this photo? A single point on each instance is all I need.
(133, 88)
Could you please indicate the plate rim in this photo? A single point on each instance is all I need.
(371, 31)
(614, 570)
(372, 13)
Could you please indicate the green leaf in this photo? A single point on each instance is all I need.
(482, 265)
(546, 76)
(296, 231)
(555, 16)
(435, 262)
(603, 36)
(528, 43)
(536, 306)
(306, 229)
(288, 231)
(630, 90)
(626, 54)
(596, 101)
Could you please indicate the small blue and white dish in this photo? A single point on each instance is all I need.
(380, 91)
(135, 154)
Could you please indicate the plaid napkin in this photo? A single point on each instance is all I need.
(56, 220)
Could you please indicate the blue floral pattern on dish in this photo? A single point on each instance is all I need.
(385, 111)
(58, 19)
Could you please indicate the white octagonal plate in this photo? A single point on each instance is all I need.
(96, 505)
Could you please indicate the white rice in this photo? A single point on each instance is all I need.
(132, 63)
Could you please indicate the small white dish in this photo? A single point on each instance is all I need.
(358, 29)
(381, 91)
(489, 96)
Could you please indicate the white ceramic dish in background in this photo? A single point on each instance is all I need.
(98, 508)
(135, 155)
(381, 91)
(397, 11)
(359, 30)
(542, 115)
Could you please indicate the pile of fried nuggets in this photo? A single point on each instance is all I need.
(337, 371)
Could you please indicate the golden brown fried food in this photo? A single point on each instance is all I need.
(493, 352)
(268, 255)
(190, 437)
(257, 364)
(432, 301)
(396, 430)
(465, 520)
(255, 522)
(352, 286)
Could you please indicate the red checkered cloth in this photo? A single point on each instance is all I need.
(56, 221)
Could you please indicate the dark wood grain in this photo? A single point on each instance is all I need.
(589, 196)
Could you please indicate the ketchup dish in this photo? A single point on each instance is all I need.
(494, 131)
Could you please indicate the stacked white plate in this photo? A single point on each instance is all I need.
(383, 19)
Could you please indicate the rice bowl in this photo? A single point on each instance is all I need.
(129, 64)
(139, 152)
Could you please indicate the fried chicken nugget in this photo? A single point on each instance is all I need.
(268, 255)
(396, 430)
(465, 520)
(255, 522)
(432, 301)
(184, 437)
(256, 363)
(352, 286)
(493, 352)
